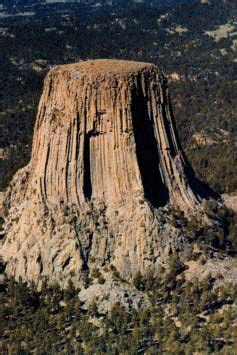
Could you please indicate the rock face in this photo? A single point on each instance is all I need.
(105, 162)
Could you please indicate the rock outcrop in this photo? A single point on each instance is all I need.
(105, 164)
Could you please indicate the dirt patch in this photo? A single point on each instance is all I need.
(230, 201)
(1, 203)
(223, 270)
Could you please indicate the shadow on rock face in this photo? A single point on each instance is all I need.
(147, 153)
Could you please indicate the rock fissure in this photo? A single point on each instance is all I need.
(87, 186)
(147, 152)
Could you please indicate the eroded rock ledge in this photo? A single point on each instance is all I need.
(105, 164)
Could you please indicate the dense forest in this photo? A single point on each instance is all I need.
(181, 317)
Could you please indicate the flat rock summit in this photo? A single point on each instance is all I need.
(105, 163)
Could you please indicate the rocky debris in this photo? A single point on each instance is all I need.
(105, 160)
(205, 139)
(106, 295)
(223, 270)
(201, 139)
(4, 153)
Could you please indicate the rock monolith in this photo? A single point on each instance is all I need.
(105, 163)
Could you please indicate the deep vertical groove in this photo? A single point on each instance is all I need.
(167, 130)
(147, 152)
(77, 149)
(45, 171)
(87, 187)
(68, 160)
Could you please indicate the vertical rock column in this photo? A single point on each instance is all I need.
(104, 130)
(105, 156)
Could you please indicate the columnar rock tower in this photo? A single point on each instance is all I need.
(105, 159)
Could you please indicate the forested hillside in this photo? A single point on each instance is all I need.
(183, 317)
